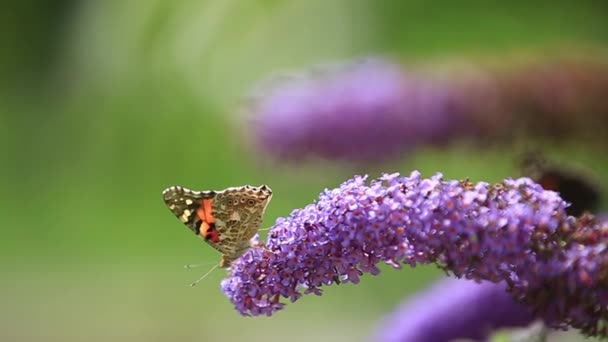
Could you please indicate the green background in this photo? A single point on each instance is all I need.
(106, 103)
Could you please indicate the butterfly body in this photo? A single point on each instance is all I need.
(227, 220)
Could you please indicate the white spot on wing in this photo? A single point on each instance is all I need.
(235, 216)
(185, 215)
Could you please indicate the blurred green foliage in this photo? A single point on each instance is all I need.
(107, 103)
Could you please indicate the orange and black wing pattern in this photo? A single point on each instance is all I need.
(195, 210)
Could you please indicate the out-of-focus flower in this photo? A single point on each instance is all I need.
(454, 309)
(559, 98)
(476, 94)
(369, 110)
(514, 232)
(375, 110)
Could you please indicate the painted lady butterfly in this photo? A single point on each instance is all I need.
(227, 219)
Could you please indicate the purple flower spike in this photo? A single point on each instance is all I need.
(514, 232)
(454, 309)
(363, 111)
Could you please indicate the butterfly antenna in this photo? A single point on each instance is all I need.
(265, 229)
(204, 275)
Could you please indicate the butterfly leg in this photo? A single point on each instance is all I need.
(189, 266)
(260, 245)
(204, 275)
(337, 276)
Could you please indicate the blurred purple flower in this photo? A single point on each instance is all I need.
(454, 309)
(514, 232)
(373, 110)
(559, 98)
(363, 111)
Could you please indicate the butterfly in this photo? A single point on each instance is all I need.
(575, 186)
(227, 220)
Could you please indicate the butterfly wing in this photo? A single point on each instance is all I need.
(226, 219)
(239, 212)
(575, 186)
(195, 210)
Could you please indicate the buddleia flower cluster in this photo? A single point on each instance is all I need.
(454, 309)
(512, 232)
(318, 113)
(375, 109)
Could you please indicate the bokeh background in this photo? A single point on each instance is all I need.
(103, 104)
